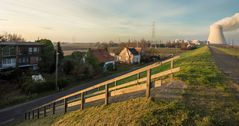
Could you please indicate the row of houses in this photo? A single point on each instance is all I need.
(19, 54)
(127, 55)
(27, 55)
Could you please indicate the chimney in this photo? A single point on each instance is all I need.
(216, 35)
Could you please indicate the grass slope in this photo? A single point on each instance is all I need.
(230, 51)
(207, 101)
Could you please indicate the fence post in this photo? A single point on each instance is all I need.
(66, 104)
(29, 115)
(25, 116)
(53, 108)
(138, 77)
(33, 114)
(38, 113)
(82, 100)
(44, 112)
(171, 77)
(106, 94)
(148, 83)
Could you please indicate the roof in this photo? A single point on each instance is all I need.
(102, 55)
(133, 51)
(20, 43)
(138, 49)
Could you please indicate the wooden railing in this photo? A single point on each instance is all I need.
(107, 89)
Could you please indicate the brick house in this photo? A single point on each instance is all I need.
(19, 54)
(103, 57)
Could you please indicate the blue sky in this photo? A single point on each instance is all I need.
(104, 20)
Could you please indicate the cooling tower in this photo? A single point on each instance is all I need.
(216, 35)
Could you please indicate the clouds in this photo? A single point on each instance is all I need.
(98, 20)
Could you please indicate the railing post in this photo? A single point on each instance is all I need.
(171, 76)
(138, 77)
(53, 108)
(26, 116)
(106, 94)
(44, 111)
(33, 114)
(38, 113)
(29, 115)
(66, 104)
(148, 83)
(82, 100)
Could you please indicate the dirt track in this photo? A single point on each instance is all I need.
(228, 64)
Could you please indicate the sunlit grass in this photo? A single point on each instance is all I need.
(230, 51)
(207, 100)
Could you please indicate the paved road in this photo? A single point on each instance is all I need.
(227, 63)
(17, 112)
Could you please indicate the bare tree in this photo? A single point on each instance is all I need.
(6, 37)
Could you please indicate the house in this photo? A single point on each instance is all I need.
(196, 42)
(103, 57)
(19, 54)
(130, 55)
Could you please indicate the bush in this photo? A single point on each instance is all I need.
(11, 75)
(110, 67)
(31, 87)
(62, 83)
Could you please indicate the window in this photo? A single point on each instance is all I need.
(12, 51)
(35, 49)
(9, 61)
(30, 50)
(6, 51)
(25, 60)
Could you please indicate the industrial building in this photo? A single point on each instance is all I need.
(216, 35)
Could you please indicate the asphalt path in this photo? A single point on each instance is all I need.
(226, 63)
(17, 112)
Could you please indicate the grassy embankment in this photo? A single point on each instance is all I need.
(229, 50)
(208, 100)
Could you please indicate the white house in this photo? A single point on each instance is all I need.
(129, 55)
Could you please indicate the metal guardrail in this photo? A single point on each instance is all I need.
(106, 89)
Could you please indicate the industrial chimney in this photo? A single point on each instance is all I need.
(216, 35)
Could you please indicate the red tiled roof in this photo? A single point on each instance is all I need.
(102, 55)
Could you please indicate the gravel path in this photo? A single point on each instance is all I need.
(228, 64)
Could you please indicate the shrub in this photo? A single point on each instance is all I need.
(31, 87)
(11, 75)
(110, 67)
(62, 83)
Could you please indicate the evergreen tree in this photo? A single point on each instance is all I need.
(47, 62)
(60, 52)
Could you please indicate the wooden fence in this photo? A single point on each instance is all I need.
(107, 89)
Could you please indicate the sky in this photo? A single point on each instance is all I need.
(116, 20)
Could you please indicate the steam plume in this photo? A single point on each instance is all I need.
(229, 23)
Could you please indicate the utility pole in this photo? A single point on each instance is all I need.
(57, 58)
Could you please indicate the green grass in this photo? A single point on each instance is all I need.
(198, 68)
(229, 50)
(207, 100)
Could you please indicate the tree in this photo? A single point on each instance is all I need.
(6, 37)
(91, 59)
(47, 62)
(77, 55)
(74, 65)
(60, 51)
